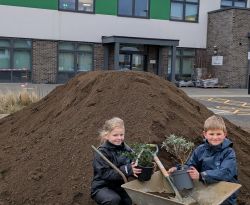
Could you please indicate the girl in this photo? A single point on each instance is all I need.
(106, 185)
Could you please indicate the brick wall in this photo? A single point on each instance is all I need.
(152, 55)
(44, 59)
(201, 62)
(227, 29)
(111, 57)
(98, 57)
(164, 63)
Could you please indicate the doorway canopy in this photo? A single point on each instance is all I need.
(116, 41)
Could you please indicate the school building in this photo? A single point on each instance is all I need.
(50, 41)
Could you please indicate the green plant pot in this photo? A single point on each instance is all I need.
(146, 173)
(182, 180)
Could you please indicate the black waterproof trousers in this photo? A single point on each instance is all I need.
(106, 196)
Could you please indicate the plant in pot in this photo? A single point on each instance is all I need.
(142, 155)
(181, 149)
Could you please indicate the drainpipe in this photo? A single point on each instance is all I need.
(248, 63)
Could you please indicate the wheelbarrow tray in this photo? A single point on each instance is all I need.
(146, 193)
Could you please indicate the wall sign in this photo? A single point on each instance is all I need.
(152, 61)
(217, 60)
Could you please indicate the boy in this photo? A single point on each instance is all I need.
(215, 159)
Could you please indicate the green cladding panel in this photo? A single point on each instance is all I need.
(108, 7)
(160, 9)
(43, 4)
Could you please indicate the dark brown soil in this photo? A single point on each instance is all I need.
(45, 152)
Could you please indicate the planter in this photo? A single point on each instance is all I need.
(182, 180)
(146, 173)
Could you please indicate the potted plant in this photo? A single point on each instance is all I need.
(181, 149)
(142, 155)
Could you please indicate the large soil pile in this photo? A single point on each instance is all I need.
(45, 153)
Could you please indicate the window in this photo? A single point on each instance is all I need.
(77, 5)
(15, 60)
(74, 57)
(233, 3)
(134, 8)
(185, 58)
(184, 10)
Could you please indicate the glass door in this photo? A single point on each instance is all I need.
(137, 62)
(131, 61)
(125, 61)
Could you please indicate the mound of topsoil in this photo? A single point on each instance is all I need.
(45, 152)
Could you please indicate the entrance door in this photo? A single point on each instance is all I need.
(132, 61)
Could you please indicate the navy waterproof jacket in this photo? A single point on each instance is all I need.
(104, 174)
(216, 163)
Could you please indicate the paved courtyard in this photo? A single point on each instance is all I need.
(233, 104)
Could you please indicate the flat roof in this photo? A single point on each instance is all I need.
(228, 8)
(138, 40)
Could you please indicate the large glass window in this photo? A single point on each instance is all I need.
(134, 8)
(15, 60)
(185, 10)
(185, 58)
(73, 58)
(77, 5)
(233, 3)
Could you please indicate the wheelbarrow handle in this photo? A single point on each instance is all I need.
(161, 167)
(165, 173)
(157, 160)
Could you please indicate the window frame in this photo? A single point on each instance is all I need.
(133, 11)
(12, 50)
(184, 3)
(233, 4)
(75, 52)
(181, 56)
(76, 8)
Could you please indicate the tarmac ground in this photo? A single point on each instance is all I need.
(233, 104)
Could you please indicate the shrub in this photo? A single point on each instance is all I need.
(12, 102)
(179, 147)
(142, 153)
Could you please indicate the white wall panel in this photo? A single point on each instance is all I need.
(55, 25)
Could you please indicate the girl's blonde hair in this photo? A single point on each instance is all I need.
(109, 125)
(215, 122)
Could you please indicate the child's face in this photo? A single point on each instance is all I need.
(214, 137)
(116, 136)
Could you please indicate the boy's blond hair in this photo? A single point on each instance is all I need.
(215, 122)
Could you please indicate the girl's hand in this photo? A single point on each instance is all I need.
(171, 170)
(193, 173)
(135, 170)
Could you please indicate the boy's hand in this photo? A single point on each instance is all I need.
(193, 173)
(135, 170)
(171, 170)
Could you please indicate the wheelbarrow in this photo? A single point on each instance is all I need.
(158, 190)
